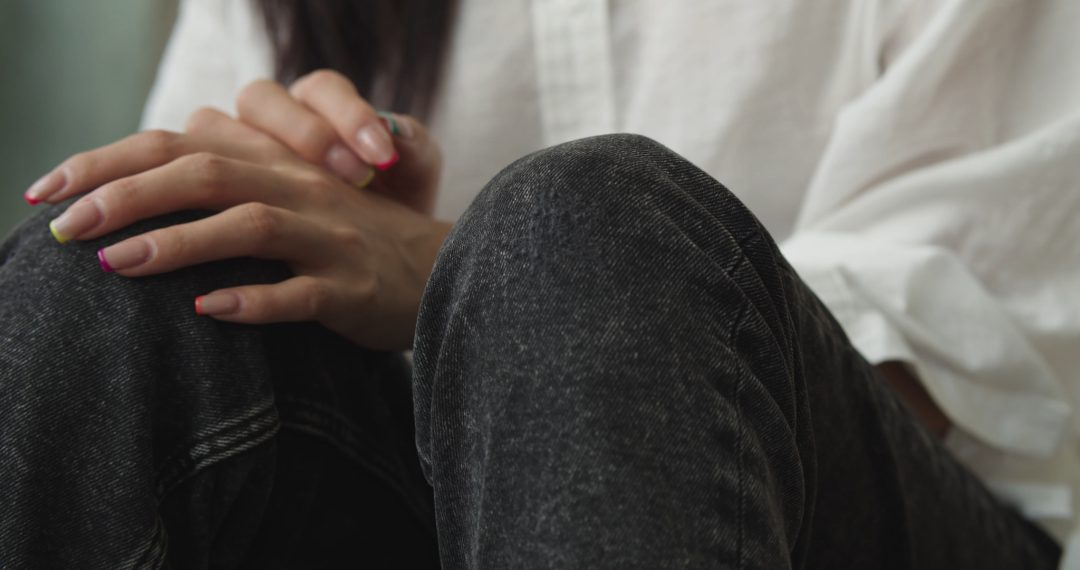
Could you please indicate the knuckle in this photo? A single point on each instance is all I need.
(206, 167)
(120, 191)
(159, 143)
(352, 240)
(318, 79)
(80, 165)
(261, 220)
(321, 191)
(251, 93)
(173, 244)
(312, 138)
(202, 118)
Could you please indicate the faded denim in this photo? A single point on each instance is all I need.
(133, 432)
(614, 368)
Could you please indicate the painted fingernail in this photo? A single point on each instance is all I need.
(104, 263)
(341, 161)
(391, 123)
(397, 126)
(360, 185)
(46, 186)
(393, 160)
(125, 255)
(376, 144)
(217, 304)
(77, 220)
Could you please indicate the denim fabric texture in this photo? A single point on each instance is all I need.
(135, 434)
(614, 368)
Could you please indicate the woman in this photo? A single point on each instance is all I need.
(614, 364)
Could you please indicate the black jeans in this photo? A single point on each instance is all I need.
(614, 368)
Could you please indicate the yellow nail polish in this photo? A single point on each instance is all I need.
(56, 234)
(367, 180)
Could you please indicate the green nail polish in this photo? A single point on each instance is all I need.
(391, 122)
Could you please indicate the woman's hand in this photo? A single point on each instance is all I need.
(361, 259)
(324, 120)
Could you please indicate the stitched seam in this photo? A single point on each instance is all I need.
(153, 555)
(183, 449)
(226, 442)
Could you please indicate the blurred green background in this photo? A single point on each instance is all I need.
(75, 76)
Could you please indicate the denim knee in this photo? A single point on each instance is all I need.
(615, 228)
(620, 187)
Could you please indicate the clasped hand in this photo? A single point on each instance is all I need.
(283, 179)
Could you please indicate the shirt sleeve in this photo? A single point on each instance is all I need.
(198, 68)
(940, 228)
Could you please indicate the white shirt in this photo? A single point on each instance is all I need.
(918, 159)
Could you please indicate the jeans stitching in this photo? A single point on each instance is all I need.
(228, 440)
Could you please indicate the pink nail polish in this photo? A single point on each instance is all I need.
(393, 160)
(104, 263)
(46, 186)
(375, 144)
(127, 254)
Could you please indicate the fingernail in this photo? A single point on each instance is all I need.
(77, 220)
(125, 255)
(46, 186)
(384, 165)
(396, 126)
(341, 161)
(217, 304)
(360, 185)
(376, 144)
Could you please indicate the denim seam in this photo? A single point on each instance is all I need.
(740, 509)
(194, 439)
(153, 555)
(237, 436)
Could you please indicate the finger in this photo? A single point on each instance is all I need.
(248, 230)
(86, 170)
(268, 107)
(302, 298)
(194, 181)
(129, 156)
(253, 145)
(332, 96)
(411, 186)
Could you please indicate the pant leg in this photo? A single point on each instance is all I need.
(615, 368)
(135, 434)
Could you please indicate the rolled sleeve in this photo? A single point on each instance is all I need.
(920, 305)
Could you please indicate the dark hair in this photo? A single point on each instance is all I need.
(393, 50)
